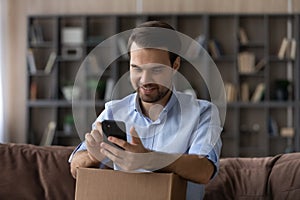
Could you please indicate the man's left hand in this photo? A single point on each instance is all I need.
(132, 157)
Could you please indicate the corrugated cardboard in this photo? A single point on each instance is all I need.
(116, 185)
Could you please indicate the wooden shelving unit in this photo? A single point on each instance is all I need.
(247, 130)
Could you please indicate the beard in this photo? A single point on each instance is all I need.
(152, 93)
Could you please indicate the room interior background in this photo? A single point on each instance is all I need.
(14, 44)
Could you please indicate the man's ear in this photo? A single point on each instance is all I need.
(176, 63)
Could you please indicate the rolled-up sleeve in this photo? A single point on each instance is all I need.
(206, 140)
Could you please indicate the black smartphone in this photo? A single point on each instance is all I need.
(114, 128)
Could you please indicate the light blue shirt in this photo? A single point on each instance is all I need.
(186, 125)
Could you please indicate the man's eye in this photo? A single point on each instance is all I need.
(137, 69)
(157, 70)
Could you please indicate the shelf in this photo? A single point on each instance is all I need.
(276, 59)
(63, 134)
(49, 44)
(253, 151)
(280, 104)
(277, 138)
(261, 104)
(256, 74)
(39, 73)
(264, 104)
(233, 105)
(64, 103)
(62, 59)
(253, 45)
(228, 137)
(225, 58)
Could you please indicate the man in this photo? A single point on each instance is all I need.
(169, 131)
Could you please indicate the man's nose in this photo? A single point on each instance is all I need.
(146, 77)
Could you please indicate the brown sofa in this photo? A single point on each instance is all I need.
(275, 178)
(33, 172)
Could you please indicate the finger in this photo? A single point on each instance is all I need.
(115, 151)
(135, 137)
(92, 157)
(97, 136)
(74, 172)
(99, 127)
(111, 156)
(125, 145)
(90, 139)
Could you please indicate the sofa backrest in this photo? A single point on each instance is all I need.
(34, 172)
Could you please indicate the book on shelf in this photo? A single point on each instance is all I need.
(258, 93)
(214, 48)
(246, 62)
(283, 48)
(36, 33)
(293, 47)
(31, 61)
(48, 135)
(243, 36)
(287, 132)
(32, 65)
(230, 92)
(50, 62)
(287, 49)
(272, 127)
(260, 64)
(33, 90)
(245, 92)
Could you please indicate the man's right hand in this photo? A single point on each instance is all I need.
(82, 159)
(92, 157)
(93, 141)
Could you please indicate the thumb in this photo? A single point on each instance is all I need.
(135, 137)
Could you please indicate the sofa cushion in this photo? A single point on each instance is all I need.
(285, 177)
(33, 172)
(241, 178)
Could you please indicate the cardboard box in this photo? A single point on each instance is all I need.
(113, 185)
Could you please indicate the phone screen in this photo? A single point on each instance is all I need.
(114, 128)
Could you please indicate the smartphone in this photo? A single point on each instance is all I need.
(114, 128)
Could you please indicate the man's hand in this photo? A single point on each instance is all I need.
(82, 159)
(93, 141)
(136, 145)
(92, 157)
(135, 155)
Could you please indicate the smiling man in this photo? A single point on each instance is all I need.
(168, 130)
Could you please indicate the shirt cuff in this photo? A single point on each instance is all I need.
(212, 156)
(80, 147)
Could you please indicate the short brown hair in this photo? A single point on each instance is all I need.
(143, 37)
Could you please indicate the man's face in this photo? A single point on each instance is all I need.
(150, 73)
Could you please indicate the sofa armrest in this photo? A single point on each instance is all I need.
(34, 172)
(285, 177)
